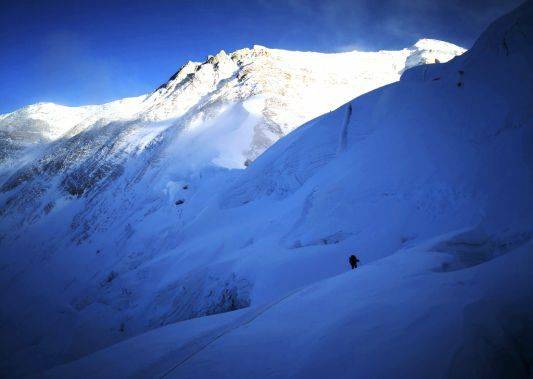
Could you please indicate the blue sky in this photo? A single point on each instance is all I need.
(85, 52)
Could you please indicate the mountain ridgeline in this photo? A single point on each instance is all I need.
(244, 183)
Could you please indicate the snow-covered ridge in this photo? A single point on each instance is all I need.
(290, 79)
(428, 180)
(276, 72)
(132, 213)
(224, 111)
(61, 118)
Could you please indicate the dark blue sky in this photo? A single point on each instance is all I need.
(81, 52)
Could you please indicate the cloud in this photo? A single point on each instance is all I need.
(343, 25)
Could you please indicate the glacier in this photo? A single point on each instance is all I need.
(199, 231)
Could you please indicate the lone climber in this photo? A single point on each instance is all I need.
(353, 261)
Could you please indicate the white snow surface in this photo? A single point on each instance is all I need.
(125, 254)
(295, 86)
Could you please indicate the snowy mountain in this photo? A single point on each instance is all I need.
(282, 88)
(222, 112)
(78, 183)
(113, 226)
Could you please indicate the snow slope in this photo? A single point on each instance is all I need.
(223, 112)
(96, 195)
(397, 317)
(287, 88)
(428, 179)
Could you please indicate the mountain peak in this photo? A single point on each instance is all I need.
(285, 79)
(259, 47)
(435, 45)
(426, 51)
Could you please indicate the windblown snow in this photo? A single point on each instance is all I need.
(130, 230)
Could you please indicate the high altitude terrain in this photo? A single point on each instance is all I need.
(428, 179)
(100, 204)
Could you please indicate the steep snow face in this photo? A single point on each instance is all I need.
(428, 180)
(123, 227)
(223, 112)
(295, 86)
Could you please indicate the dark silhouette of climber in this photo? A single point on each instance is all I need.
(353, 261)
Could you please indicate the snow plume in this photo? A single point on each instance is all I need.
(221, 140)
(362, 25)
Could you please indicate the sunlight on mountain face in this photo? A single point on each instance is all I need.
(282, 89)
(203, 229)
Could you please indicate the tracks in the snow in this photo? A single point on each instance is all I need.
(209, 338)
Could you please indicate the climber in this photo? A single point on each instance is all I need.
(353, 261)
